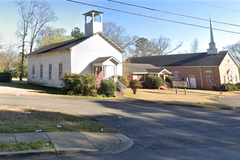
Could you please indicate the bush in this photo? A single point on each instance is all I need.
(238, 85)
(169, 80)
(123, 80)
(228, 87)
(80, 84)
(134, 84)
(153, 82)
(15, 74)
(5, 77)
(108, 87)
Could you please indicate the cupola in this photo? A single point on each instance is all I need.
(93, 22)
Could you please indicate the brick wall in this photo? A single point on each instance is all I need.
(201, 74)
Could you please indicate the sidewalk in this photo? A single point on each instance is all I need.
(69, 143)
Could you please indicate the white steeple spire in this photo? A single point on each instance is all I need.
(212, 46)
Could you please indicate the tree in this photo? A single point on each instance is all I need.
(1, 45)
(194, 46)
(35, 14)
(51, 35)
(162, 46)
(235, 50)
(153, 47)
(9, 59)
(118, 35)
(76, 33)
(143, 48)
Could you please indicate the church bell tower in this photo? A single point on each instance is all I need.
(93, 22)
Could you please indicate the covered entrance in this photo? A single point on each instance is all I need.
(105, 67)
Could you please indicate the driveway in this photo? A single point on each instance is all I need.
(158, 131)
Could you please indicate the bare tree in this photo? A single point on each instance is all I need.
(194, 46)
(42, 15)
(34, 15)
(235, 50)
(162, 46)
(118, 35)
(1, 45)
(9, 59)
(153, 47)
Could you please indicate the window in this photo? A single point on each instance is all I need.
(142, 77)
(41, 71)
(236, 78)
(33, 71)
(50, 71)
(135, 77)
(209, 80)
(60, 69)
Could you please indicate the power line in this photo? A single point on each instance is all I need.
(207, 4)
(148, 8)
(195, 25)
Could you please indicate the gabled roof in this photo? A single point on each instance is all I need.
(138, 68)
(70, 43)
(191, 59)
(101, 60)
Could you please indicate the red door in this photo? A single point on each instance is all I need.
(98, 72)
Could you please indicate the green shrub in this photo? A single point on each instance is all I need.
(123, 80)
(153, 82)
(108, 87)
(238, 85)
(15, 74)
(229, 87)
(80, 84)
(169, 80)
(134, 84)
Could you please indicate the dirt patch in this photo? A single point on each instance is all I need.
(18, 88)
(193, 97)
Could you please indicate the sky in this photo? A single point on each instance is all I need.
(70, 15)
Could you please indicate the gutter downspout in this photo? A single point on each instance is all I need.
(200, 70)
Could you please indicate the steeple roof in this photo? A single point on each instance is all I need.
(212, 46)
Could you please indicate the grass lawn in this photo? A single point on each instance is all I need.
(20, 120)
(26, 146)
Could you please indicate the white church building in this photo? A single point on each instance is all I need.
(94, 53)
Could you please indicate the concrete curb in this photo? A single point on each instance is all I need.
(75, 150)
(121, 143)
(28, 153)
(125, 143)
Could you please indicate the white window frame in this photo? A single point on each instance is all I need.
(41, 71)
(60, 70)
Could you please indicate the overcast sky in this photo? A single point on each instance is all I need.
(70, 15)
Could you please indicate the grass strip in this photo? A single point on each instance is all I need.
(39, 145)
(21, 120)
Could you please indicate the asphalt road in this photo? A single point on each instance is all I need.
(158, 131)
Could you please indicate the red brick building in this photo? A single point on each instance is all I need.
(203, 70)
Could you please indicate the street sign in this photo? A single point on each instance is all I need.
(180, 79)
(183, 84)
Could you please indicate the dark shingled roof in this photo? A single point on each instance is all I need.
(138, 67)
(70, 43)
(192, 59)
